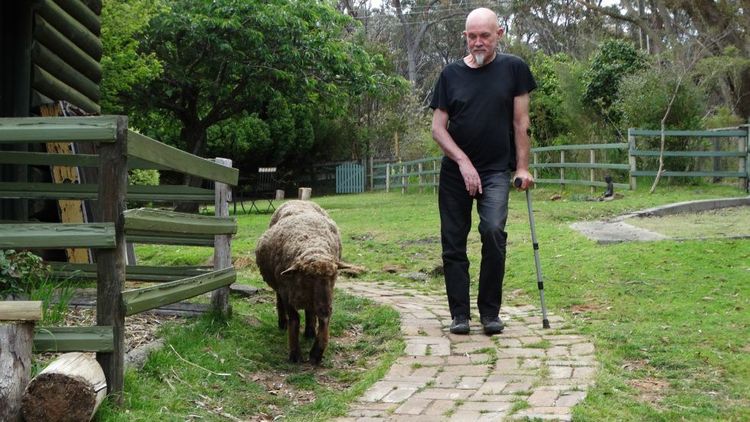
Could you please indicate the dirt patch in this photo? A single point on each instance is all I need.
(140, 329)
(635, 365)
(277, 383)
(650, 390)
(724, 222)
(585, 308)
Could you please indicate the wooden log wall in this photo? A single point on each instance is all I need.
(65, 53)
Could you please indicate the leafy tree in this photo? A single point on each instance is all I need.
(123, 65)
(235, 68)
(615, 60)
(548, 115)
(644, 97)
(722, 75)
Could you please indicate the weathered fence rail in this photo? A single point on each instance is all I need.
(422, 174)
(588, 164)
(725, 144)
(119, 149)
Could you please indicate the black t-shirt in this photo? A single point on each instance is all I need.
(479, 103)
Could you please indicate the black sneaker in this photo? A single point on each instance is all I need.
(492, 325)
(460, 325)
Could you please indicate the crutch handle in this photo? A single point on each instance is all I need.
(517, 182)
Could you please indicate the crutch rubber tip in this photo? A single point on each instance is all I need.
(545, 323)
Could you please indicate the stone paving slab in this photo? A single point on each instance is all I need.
(524, 373)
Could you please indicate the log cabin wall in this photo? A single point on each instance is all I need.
(51, 52)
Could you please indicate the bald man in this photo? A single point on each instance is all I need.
(481, 122)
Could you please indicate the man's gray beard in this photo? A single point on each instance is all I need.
(479, 58)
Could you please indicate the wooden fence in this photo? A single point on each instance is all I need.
(704, 159)
(120, 149)
(421, 174)
(713, 153)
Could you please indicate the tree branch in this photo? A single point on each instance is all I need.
(635, 20)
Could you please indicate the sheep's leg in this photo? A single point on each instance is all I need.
(293, 329)
(309, 323)
(281, 311)
(321, 340)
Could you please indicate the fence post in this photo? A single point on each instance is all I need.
(744, 165)
(222, 244)
(562, 169)
(592, 160)
(110, 263)
(387, 177)
(404, 180)
(536, 160)
(631, 158)
(372, 174)
(419, 171)
(435, 177)
(17, 339)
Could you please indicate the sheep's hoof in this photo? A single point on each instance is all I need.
(316, 356)
(295, 357)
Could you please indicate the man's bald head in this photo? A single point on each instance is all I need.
(482, 34)
(482, 16)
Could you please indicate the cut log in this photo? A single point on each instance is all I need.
(304, 193)
(20, 310)
(16, 341)
(71, 388)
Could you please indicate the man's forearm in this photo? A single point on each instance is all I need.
(444, 139)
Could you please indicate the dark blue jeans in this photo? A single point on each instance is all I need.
(455, 222)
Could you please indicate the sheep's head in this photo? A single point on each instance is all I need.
(314, 263)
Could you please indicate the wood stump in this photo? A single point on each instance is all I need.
(71, 388)
(304, 193)
(16, 344)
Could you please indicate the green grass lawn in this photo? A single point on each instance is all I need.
(670, 319)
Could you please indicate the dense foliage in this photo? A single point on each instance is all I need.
(258, 81)
(615, 60)
(20, 272)
(294, 83)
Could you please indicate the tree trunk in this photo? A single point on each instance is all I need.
(16, 341)
(193, 135)
(71, 388)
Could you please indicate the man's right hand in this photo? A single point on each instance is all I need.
(471, 177)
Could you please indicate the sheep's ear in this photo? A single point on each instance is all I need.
(290, 269)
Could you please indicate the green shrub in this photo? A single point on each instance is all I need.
(615, 60)
(548, 116)
(143, 177)
(21, 272)
(644, 97)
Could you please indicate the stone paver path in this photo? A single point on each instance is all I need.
(526, 372)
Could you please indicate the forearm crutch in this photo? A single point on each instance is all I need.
(539, 281)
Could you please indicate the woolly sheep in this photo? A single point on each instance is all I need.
(296, 207)
(298, 256)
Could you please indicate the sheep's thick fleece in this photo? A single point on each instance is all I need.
(298, 256)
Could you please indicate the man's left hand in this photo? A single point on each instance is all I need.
(527, 180)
